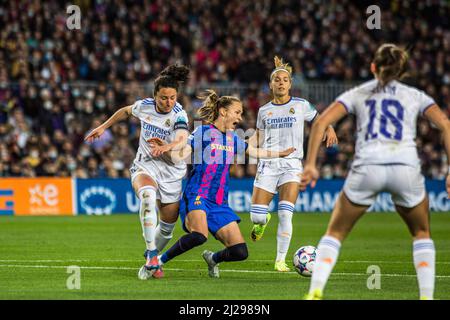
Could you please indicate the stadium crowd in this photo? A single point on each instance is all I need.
(56, 83)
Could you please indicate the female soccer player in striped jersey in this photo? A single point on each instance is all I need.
(280, 123)
(156, 181)
(204, 206)
(386, 159)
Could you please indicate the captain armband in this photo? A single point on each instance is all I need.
(180, 125)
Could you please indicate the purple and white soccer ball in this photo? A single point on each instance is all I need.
(304, 259)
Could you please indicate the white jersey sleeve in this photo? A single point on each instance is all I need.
(424, 100)
(310, 111)
(136, 108)
(140, 107)
(347, 99)
(181, 121)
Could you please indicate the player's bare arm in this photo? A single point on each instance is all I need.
(267, 154)
(331, 115)
(440, 120)
(329, 136)
(119, 115)
(257, 138)
(176, 145)
(176, 155)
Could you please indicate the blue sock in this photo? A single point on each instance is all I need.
(164, 258)
(238, 252)
(185, 243)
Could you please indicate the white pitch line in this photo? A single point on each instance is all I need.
(199, 260)
(192, 270)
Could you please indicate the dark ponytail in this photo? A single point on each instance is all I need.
(391, 63)
(171, 77)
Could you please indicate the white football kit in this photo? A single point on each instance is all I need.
(282, 126)
(166, 174)
(386, 157)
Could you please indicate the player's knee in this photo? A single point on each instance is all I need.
(147, 195)
(198, 238)
(147, 212)
(166, 229)
(239, 252)
(258, 218)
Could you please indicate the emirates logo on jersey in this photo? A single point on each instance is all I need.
(167, 123)
(292, 111)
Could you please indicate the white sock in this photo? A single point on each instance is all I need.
(327, 254)
(424, 256)
(148, 215)
(258, 213)
(164, 232)
(284, 233)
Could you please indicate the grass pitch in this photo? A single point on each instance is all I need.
(36, 251)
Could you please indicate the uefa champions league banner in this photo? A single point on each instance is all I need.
(323, 197)
(65, 196)
(105, 196)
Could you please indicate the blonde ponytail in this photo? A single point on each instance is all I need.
(281, 66)
(212, 103)
(209, 110)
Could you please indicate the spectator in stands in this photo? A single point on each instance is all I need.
(44, 66)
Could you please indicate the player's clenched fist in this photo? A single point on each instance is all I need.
(309, 176)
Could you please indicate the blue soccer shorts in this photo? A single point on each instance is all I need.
(217, 216)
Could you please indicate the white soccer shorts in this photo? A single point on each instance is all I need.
(406, 184)
(169, 185)
(273, 174)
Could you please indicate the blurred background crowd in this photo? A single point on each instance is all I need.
(56, 84)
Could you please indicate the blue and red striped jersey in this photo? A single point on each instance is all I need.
(213, 152)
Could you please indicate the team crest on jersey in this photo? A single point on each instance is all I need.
(167, 123)
(197, 201)
(292, 111)
(269, 114)
(148, 118)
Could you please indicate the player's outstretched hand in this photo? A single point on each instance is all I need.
(447, 185)
(330, 137)
(159, 147)
(156, 142)
(94, 134)
(287, 152)
(309, 176)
